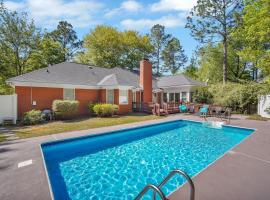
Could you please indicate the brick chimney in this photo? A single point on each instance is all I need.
(146, 80)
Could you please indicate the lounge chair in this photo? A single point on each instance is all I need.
(204, 111)
(183, 108)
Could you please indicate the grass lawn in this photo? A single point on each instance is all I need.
(79, 124)
(257, 117)
(2, 138)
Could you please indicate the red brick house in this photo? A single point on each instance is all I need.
(73, 81)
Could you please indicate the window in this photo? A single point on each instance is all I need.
(69, 94)
(110, 96)
(165, 97)
(191, 96)
(177, 97)
(123, 96)
(171, 97)
(184, 96)
(134, 96)
(154, 97)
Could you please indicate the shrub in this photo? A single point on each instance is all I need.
(202, 95)
(105, 110)
(91, 107)
(240, 97)
(65, 108)
(33, 117)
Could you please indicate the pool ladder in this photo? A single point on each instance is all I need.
(157, 189)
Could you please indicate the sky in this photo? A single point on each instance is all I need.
(137, 15)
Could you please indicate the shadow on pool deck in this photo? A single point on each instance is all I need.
(242, 173)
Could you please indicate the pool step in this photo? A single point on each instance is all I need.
(157, 189)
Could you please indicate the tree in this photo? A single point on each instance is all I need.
(108, 47)
(47, 53)
(173, 56)
(254, 31)
(213, 20)
(18, 40)
(67, 37)
(158, 39)
(210, 59)
(191, 70)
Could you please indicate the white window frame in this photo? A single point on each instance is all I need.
(126, 96)
(107, 92)
(134, 96)
(64, 94)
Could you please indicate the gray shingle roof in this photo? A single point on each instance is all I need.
(80, 74)
(177, 80)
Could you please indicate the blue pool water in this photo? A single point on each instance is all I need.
(118, 165)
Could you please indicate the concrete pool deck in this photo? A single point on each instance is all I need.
(241, 174)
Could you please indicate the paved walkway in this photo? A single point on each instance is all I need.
(8, 133)
(241, 174)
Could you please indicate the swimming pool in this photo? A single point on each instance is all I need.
(119, 164)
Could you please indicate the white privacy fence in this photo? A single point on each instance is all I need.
(263, 105)
(8, 107)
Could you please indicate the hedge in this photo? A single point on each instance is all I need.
(105, 110)
(65, 108)
(32, 117)
(235, 95)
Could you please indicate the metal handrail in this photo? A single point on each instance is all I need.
(171, 174)
(153, 187)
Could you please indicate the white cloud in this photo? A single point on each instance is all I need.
(48, 13)
(14, 5)
(130, 6)
(169, 21)
(169, 5)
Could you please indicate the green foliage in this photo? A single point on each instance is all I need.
(191, 70)
(108, 47)
(173, 56)
(33, 117)
(237, 96)
(254, 31)
(105, 110)
(210, 61)
(212, 20)
(91, 107)
(202, 95)
(159, 39)
(48, 52)
(65, 108)
(67, 38)
(4, 88)
(18, 40)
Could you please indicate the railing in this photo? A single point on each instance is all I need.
(142, 107)
(171, 174)
(157, 189)
(153, 187)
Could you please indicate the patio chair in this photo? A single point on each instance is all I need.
(183, 108)
(216, 111)
(226, 114)
(204, 111)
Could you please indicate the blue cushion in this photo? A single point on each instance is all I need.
(183, 108)
(204, 110)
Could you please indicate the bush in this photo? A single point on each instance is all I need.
(240, 97)
(91, 107)
(65, 108)
(33, 117)
(105, 110)
(202, 95)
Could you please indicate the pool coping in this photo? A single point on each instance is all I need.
(134, 128)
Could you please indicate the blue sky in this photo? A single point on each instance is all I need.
(137, 15)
